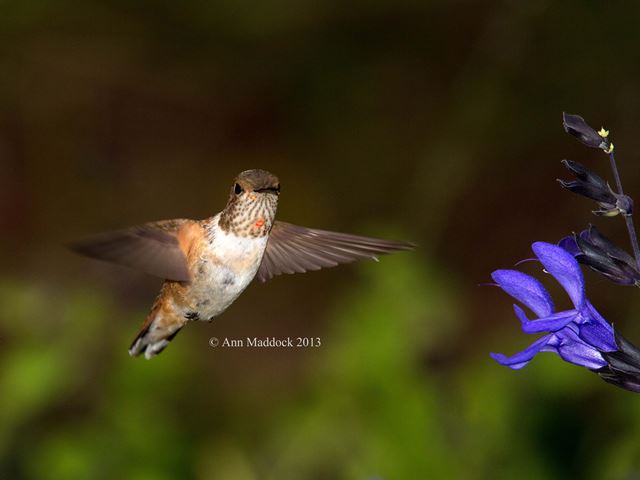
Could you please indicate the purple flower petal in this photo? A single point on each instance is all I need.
(520, 359)
(526, 290)
(552, 323)
(574, 350)
(564, 268)
(521, 315)
(597, 331)
(570, 245)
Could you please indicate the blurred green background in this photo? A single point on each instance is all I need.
(437, 122)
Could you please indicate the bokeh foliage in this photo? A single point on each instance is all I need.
(374, 401)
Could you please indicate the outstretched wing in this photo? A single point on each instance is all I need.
(295, 249)
(157, 248)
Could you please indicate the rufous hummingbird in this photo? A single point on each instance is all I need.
(206, 264)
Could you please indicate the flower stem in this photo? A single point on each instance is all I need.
(628, 218)
(634, 239)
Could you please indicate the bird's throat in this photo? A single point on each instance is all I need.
(249, 216)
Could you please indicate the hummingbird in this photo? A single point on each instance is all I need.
(206, 264)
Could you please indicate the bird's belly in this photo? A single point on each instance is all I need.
(224, 273)
(221, 286)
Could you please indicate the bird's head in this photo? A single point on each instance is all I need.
(252, 204)
(252, 184)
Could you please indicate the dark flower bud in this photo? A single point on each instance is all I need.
(576, 126)
(623, 365)
(597, 252)
(591, 185)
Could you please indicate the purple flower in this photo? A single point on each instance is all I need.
(578, 336)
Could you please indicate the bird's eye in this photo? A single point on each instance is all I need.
(278, 188)
(237, 189)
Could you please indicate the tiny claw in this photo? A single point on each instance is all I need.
(603, 133)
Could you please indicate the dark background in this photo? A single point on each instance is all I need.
(437, 122)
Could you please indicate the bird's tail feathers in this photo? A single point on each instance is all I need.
(156, 333)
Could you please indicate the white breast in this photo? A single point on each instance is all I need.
(225, 269)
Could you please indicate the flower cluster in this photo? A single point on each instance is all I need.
(580, 335)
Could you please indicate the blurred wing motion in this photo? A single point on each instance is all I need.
(154, 248)
(294, 249)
